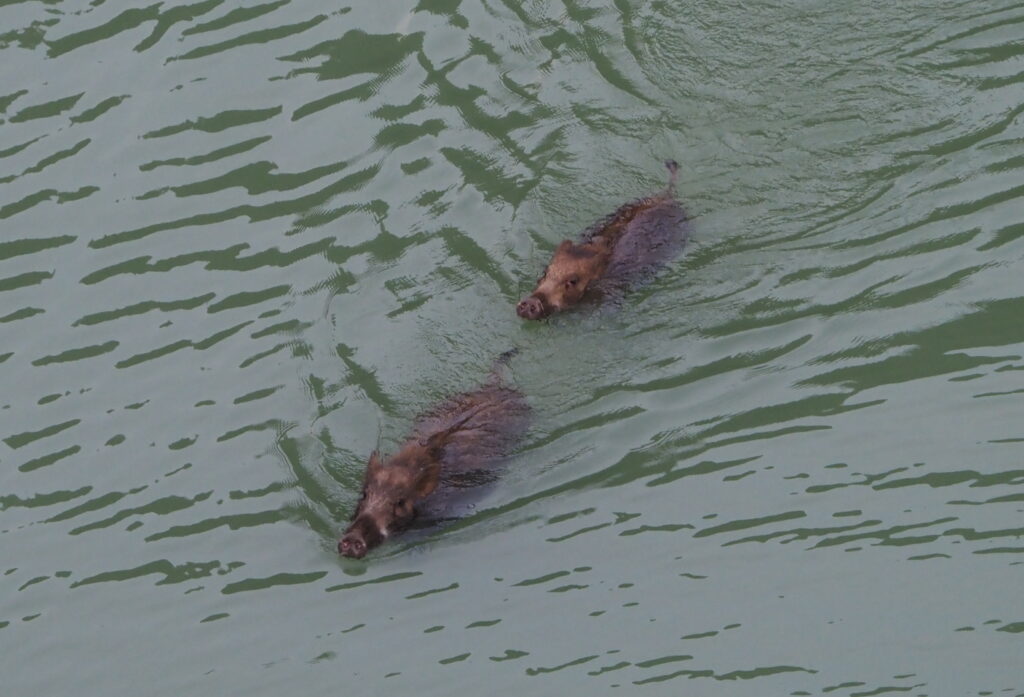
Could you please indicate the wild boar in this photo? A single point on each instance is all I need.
(455, 445)
(611, 255)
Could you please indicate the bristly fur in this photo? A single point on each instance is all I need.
(582, 252)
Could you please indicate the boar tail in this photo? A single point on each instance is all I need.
(673, 174)
(507, 356)
(502, 361)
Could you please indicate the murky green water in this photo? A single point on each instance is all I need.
(245, 243)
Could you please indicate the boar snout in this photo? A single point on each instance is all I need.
(352, 546)
(531, 307)
(362, 536)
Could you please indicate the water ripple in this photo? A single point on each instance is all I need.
(247, 245)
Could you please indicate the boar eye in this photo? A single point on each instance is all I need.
(571, 282)
(402, 508)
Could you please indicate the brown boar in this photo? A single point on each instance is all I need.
(454, 446)
(613, 254)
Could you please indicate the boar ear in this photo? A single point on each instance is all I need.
(374, 460)
(434, 443)
(564, 247)
(427, 480)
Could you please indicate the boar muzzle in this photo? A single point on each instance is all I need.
(531, 307)
(362, 536)
(352, 546)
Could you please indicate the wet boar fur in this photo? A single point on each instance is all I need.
(454, 446)
(613, 254)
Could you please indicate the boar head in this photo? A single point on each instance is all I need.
(390, 492)
(573, 268)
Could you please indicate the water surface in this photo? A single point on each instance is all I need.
(245, 244)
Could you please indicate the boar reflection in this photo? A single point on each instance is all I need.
(455, 445)
(616, 252)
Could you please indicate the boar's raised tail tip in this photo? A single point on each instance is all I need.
(673, 173)
(507, 356)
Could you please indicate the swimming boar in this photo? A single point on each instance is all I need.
(455, 445)
(613, 254)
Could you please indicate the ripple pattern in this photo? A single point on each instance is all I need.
(246, 244)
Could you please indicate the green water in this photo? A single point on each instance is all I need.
(242, 245)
